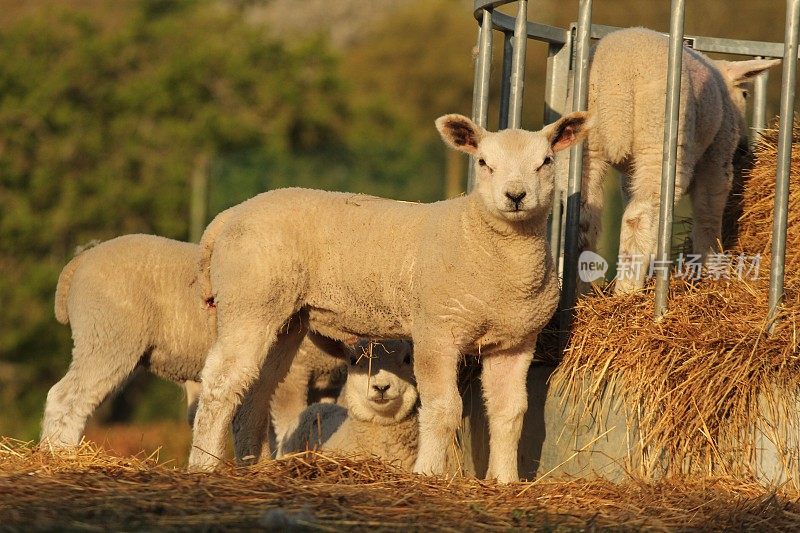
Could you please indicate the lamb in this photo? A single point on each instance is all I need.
(317, 375)
(378, 415)
(133, 301)
(469, 275)
(627, 82)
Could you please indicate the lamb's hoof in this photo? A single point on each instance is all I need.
(503, 478)
(427, 468)
(201, 462)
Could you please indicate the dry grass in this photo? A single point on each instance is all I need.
(758, 197)
(704, 379)
(89, 490)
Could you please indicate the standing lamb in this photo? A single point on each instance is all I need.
(470, 275)
(317, 375)
(627, 81)
(133, 301)
(378, 415)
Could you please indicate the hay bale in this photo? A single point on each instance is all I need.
(758, 198)
(707, 389)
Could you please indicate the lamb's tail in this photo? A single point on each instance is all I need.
(65, 282)
(206, 251)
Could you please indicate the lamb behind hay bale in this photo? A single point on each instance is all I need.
(627, 82)
(470, 275)
(133, 301)
(379, 412)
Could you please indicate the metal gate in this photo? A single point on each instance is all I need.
(568, 53)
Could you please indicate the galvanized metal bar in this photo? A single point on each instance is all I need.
(555, 226)
(555, 100)
(788, 87)
(534, 30)
(505, 81)
(556, 80)
(573, 197)
(480, 96)
(520, 45)
(759, 121)
(669, 156)
(720, 45)
(553, 35)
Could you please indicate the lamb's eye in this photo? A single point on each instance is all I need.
(745, 93)
(482, 162)
(547, 160)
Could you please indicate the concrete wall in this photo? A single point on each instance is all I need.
(600, 438)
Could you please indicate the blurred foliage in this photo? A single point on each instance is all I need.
(107, 107)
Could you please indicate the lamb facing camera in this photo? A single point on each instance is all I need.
(469, 275)
(377, 412)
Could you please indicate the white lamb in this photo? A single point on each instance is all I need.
(378, 414)
(317, 375)
(470, 275)
(133, 301)
(627, 92)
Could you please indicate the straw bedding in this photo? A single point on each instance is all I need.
(88, 489)
(707, 377)
(699, 381)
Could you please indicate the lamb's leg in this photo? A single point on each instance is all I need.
(251, 422)
(92, 376)
(233, 365)
(288, 402)
(639, 233)
(192, 389)
(592, 192)
(436, 371)
(503, 380)
(709, 195)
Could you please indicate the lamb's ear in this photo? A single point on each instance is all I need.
(739, 72)
(568, 130)
(460, 133)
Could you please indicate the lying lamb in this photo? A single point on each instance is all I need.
(470, 275)
(627, 82)
(133, 301)
(378, 417)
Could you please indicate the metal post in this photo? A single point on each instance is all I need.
(669, 156)
(555, 100)
(483, 65)
(579, 95)
(505, 81)
(789, 83)
(518, 65)
(759, 104)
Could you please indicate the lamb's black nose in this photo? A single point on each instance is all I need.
(381, 388)
(516, 197)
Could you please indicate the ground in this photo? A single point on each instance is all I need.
(88, 489)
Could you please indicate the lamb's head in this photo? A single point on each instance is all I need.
(739, 76)
(380, 383)
(514, 169)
